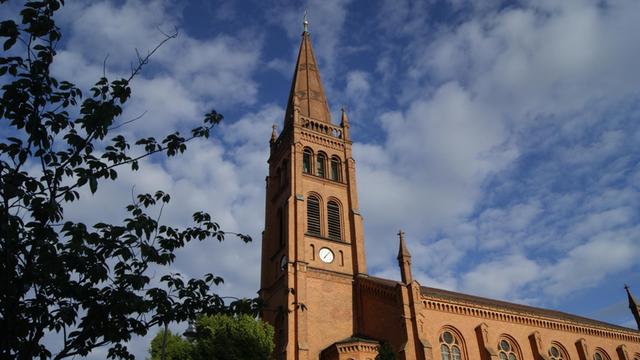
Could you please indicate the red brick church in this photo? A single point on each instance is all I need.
(314, 279)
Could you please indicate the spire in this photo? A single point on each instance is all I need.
(274, 134)
(633, 305)
(306, 86)
(305, 22)
(344, 120)
(404, 260)
(344, 123)
(403, 252)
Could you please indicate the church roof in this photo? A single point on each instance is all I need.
(502, 305)
(306, 88)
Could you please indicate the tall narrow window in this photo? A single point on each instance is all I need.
(333, 218)
(306, 161)
(283, 172)
(320, 161)
(313, 216)
(280, 227)
(283, 227)
(450, 346)
(335, 169)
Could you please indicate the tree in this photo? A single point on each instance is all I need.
(89, 284)
(385, 352)
(219, 337)
(176, 348)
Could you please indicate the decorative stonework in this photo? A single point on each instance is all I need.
(351, 349)
(527, 319)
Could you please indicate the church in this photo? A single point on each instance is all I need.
(314, 281)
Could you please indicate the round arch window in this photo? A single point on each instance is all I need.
(450, 347)
(506, 350)
(556, 353)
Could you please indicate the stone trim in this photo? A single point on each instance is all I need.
(528, 319)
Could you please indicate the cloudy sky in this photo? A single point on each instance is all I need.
(503, 137)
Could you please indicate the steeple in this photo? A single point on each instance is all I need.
(633, 305)
(404, 260)
(307, 93)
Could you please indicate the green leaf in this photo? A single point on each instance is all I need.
(93, 184)
(9, 43)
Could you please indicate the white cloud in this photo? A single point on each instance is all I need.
(501, 278)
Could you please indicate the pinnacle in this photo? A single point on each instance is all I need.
(403, 252)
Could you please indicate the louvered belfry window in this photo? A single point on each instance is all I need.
(313, 216)
(333, 218)
(320, 161)
(306, 161)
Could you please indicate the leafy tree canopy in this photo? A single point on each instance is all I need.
(89, 284)
(219, 337)
(385, 352)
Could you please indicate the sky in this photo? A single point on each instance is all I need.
(503, 137)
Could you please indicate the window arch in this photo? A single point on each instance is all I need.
(313, 215)
(282, 227)
(334, 220)
(307, 157)
(600, 354)
(557, 352)
(451, 346)
(508, 349)
(336, 169)
(321, 160)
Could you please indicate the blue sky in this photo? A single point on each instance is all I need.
(503, 137)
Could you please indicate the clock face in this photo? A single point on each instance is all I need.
(326, 255)
(283, 262)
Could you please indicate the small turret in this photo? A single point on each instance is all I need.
(344, 124)
(274, 134)
(633, 305)
(404, 260)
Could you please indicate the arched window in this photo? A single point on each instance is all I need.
(450, 346)
(507, 349)
(313, 216)
(600, 354)
(321, 159)
(307, 155)
(335, 168)
(283, 173)
(557, 352)
(282, 227)
(333, 218)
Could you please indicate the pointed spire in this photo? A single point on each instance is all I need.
(344, 124)
(404, 260)
(306, 86)
(344, 120)
(274, 134)
(633, 305)
(403, 252)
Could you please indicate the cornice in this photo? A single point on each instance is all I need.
(527, 318)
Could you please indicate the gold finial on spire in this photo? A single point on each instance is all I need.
(305, 23)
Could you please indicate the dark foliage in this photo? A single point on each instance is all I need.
(385, 352)
(218, 337)
(89, 284)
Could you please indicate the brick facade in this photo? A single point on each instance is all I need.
(314, 281)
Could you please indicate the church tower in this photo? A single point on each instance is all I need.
(312, 244)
